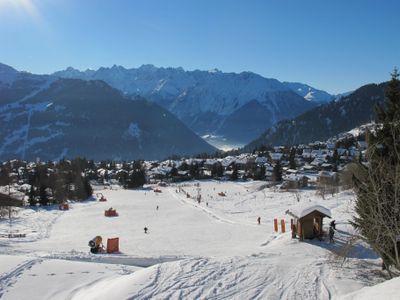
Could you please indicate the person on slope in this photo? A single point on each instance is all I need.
(259, 220)
(333, 224)
(331, 234)
(145, 229)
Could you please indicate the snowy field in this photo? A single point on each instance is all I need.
(209, 250)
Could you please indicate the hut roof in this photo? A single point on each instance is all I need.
(7, 200)
(302, 210)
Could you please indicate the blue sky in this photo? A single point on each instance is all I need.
(333, 45)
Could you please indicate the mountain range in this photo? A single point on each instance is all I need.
(50, 118)
(235, 107)
(151, 112)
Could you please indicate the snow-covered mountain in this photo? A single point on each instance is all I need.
(50, 118)
(7, 74)
(326, 120)
(309, 93)
(209, 102)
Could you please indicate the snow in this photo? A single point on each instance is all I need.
(181, 90)
(304, 209)
(133, 130)
(208, 250)
(309, 96)
(388, 290)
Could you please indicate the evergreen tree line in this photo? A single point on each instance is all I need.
(377, 183)
(55, 183)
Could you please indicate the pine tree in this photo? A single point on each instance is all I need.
(174, 171)
(277, 172)
(260, 173)
(87, 187)
(335, 160)
(43, 199)
(377, 184)
(292, 156)
(32, 196)
(217, 170)
(137, 178)
(235, 173)
(4, 176)
(194, 170)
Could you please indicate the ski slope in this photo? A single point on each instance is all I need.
(209, 250)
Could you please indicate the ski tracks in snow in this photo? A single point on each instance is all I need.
(8, 279)
(259, 277)
(207, 211)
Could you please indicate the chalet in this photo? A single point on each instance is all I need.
(327, 177)
(294, 181)
(327, 167)
(276, 156)
(308, 220)
(261, 160)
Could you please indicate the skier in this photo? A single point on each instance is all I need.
(157, 207)
(145, 229)
(333, 224)
(331, 234)
(259, 220)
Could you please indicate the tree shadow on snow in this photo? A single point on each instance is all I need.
(345, 246)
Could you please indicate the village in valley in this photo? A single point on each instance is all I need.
(199, 150)
(319, 165)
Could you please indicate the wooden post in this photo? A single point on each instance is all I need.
(276, 225)
(301, 233)
(293, 228)
(283, 226)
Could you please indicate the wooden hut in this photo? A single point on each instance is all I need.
(308, 220)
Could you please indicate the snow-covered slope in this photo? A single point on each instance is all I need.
(309, 93)
(211, 250)
(388, 290)
(204, 99)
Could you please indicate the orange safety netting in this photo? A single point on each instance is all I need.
(112, 245)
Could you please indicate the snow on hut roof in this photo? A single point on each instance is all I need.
(304, 209)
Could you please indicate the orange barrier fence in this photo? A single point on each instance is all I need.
(64, 206)
(111, 213)
(112, 245)
(276, 225)
(283, 226)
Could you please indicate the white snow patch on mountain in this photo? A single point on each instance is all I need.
(16, 135)
(134, 130)
(309, 96)
(62, 155)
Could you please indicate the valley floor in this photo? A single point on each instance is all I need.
(209, 250)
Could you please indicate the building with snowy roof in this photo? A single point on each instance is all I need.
(308, 219)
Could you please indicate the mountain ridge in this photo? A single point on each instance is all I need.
(326, 120)
(196, 96)
(70, 117)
